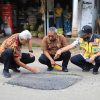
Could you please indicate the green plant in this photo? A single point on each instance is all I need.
(60, 31)
(34, 33)
(40, 34)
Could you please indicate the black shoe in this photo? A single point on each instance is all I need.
(95, 71)
(65, 70)
(86, 69)
(16, 70)
(49, 68)
(6, 74)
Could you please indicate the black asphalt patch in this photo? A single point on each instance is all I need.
(45, 81)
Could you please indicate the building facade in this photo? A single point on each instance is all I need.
(84, 12)
(30, 14)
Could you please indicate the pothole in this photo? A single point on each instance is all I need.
(45, 81)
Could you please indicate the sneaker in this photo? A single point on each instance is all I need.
(49, 69)
(65, 70)
(15, 70)
(6, 74)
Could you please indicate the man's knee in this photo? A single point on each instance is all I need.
(40, 59)
(43, 59)
(97, 60)
(67, 54)
(8, 52)
(77, 58)
(72, 59)
(33, 59)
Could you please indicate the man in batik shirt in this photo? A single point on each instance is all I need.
(11, 56)
(50, 44)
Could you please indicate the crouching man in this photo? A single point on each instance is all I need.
(50, 44)
(11, 56)
(90, 45)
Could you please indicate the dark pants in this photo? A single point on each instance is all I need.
(8, 61)
(64, 57)
(81, 62)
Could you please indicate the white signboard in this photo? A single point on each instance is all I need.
(86, 13)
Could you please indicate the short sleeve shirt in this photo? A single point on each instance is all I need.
(77, 41)
(11, 42)
(52, 47)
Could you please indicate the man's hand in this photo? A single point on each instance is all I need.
(58, 53)
(33, 69)
(52, 62)
(31, 54)
(92, 58)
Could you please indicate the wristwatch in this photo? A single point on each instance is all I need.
(31, 51)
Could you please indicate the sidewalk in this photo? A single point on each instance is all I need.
(36, 41)
(86, 89)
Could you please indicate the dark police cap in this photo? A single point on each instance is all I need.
(85, 30)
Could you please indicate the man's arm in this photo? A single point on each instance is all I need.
(92, 58)
(32, 69)
(45, 51)
(60, 51)
(49, 57)
(30, 45)
(71, 46)
(66, 48)
(30, 48)
(64, 41)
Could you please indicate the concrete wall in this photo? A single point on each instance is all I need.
(79, 14)
(95, 13)
(87, 12)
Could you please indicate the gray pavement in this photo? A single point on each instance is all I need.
(45, 81)
(88, 88)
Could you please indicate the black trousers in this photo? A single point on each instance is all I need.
(81, 62)
(64, 57)
(8, 61)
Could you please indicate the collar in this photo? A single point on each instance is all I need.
(57, 39)
(18, 42)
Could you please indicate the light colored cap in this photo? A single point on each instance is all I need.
(26, 35)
